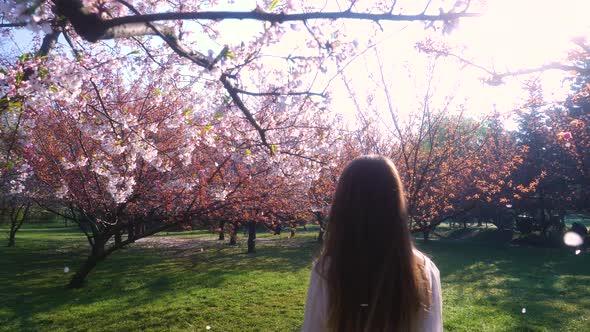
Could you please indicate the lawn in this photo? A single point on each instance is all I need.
(179, 287)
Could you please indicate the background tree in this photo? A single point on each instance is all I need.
(449, 161)
(16, 184)
(574, 120)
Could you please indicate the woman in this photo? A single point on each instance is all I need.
(369, 276)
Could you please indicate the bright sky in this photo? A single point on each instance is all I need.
(511, 35)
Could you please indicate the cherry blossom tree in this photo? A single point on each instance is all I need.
(450, 162)
(16, 184)
(134, 126)
(574, 121)
(130, 24)
(130, 157)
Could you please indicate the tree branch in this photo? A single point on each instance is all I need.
(276, 93)
(233, 92)
(14, 25)
(92, 27)
(282, 17)
(496, 78)
(166, 33)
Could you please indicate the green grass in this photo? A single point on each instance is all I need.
(485, 287)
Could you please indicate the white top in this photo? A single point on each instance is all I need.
(316, 306)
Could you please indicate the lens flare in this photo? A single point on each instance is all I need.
(572, 239)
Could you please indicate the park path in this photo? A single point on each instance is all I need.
(182, 245)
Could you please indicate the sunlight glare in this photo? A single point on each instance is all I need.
(572, 239)
(525, 33)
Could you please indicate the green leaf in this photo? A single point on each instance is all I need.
(273, 148)
(248, 152)
(218, 116)
(52, 88)
(43, 72)
(9, 164)
(187, 112)
(158, 92)
(15, 106)
(19, 77)
(208, 127)
(230, 55)
(24, 57)
(273, 4)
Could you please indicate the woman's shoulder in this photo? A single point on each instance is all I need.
(320, 265)
(425, 261)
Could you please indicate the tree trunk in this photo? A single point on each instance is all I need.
(118, 238)
(251, 236)
(426, 235)
(131, 231)
(16, 221)
(11, 238)
(321, 235)
(78, 279)
(543, 222)
(233, 236)
(139, 230)
(221, 230)
(101, 250)
(292, 231)
(97, 255)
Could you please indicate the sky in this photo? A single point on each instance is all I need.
(510, 35)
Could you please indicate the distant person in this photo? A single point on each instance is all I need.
(369, 276)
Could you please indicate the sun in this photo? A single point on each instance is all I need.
(525, 33)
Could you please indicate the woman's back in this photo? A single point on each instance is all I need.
(369, 277)
(317, 303)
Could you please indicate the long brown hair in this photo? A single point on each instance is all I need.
(375, 283)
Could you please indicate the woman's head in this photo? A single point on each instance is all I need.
(373, 276)
(369, 200)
